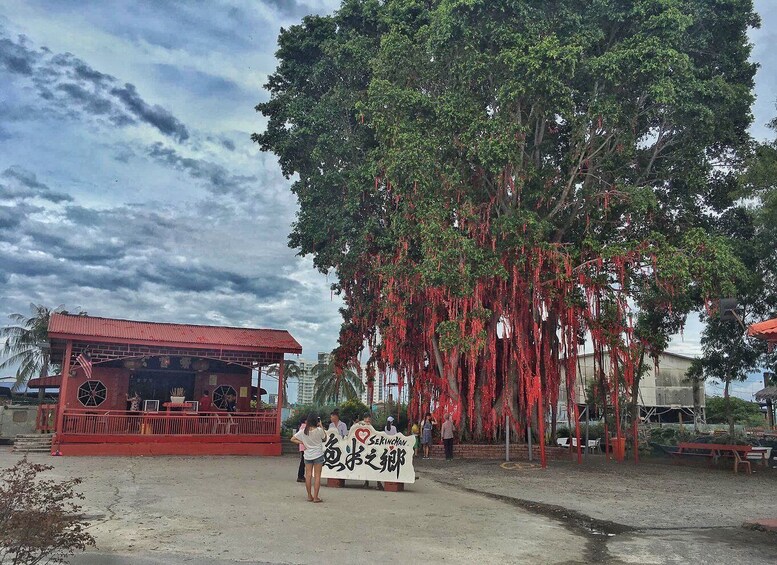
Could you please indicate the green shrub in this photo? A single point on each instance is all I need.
(351, 411)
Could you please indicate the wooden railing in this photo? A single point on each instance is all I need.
(117, 422)
(46, 420)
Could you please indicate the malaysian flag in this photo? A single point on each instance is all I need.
(85, 360)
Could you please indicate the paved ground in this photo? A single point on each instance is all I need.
(220, 511)
(652, 513)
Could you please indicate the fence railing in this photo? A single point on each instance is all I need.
(116, 422)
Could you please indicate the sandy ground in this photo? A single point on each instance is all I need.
(212, 510)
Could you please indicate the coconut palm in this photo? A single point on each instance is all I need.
(291, 370)
(27, 345)
(331, 384)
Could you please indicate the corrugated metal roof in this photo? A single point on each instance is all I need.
(123, 331)
(765, 330)
(768, 393)
(52, 381)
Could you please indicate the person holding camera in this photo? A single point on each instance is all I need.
(313, 437)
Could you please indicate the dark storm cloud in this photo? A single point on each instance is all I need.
(71, 86)
(155, 115)
(121, 249)
(9, 217)
(217, 179)
(224, 142)
(17, 57)
(291, 8)
(17, 183)
(208, 279)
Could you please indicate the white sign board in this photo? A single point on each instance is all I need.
(366, 454)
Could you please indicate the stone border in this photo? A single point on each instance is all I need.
(518, 451)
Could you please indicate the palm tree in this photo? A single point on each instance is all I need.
(27, 345)
(331, 384)
(291, 370)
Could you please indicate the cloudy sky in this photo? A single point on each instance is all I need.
(129, 186)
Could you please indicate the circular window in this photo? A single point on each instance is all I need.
(221, 396)
(92, 393)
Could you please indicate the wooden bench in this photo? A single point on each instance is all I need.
(762, 454)
(714, 451)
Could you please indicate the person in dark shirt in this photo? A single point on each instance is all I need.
(231, 403)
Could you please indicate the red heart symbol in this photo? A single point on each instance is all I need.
(391, 448)
(362, 434)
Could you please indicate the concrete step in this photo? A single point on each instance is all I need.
(33, 443)
(289, 448)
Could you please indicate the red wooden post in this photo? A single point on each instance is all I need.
(63, 389)
(258, 389)
(280, 395)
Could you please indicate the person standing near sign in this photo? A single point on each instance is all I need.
(366, 421)
(447, 436)
(426, 433)
(337, 425)
(313, 437)
(301, 470)
(390, 428)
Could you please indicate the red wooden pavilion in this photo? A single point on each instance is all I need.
(152, 359)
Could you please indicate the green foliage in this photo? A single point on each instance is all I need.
(333, 382)
(26, 343)
(291, 370)
(399, 413)
(745, 413)
(40, 521)
(750, 225)
(441, 146)
(351, 411)
(670, 436)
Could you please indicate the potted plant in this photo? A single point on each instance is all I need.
(178, 395)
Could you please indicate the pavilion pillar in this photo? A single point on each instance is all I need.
(258, 389)
(280, 393)
(63, 389)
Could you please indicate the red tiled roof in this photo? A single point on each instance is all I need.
(765, 330)
(109, 330)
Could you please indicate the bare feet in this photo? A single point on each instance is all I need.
(317, 500)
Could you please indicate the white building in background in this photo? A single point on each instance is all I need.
(379, 387)
(307, 378)
(306, 382)
(666, 394)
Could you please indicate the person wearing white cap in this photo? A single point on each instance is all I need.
(390, 429)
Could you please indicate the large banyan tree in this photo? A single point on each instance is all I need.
(497, 182)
